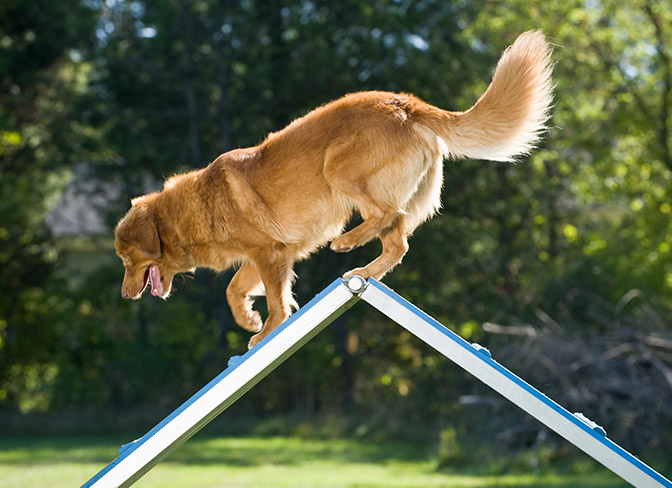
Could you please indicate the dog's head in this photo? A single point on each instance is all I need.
(138, 243)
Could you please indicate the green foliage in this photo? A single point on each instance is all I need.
(141, 90)
(39, 134)
(450, 452)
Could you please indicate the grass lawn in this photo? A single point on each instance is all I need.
(274, 462)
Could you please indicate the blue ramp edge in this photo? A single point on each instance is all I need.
(127, 449)
(477, 351)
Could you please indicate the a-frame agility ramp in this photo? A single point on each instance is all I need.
(243, 372)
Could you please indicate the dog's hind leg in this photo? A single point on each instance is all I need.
(244, 284)
(375, 217)
(423, 204)
(379, 178)
(376, 193)
(395, 245)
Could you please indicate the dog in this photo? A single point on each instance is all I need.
(264, 208)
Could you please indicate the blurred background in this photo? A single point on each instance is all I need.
(559, 264)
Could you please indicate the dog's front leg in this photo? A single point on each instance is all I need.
(275, 270)
(244, 284)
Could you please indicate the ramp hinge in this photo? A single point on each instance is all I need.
(356, 284)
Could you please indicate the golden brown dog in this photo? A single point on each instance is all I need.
(265, 207)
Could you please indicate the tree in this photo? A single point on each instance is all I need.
(575, 237)
(177, 83)
(42, 44)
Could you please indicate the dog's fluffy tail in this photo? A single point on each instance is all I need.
(510, 117)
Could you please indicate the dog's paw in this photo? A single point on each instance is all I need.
(255, 339)
(252, 322)
(255, 321)
(361, 272)
(341, 244)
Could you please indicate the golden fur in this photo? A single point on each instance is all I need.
(379, 153)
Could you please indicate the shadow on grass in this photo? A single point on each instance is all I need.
(242, 452)
(296, 451)
(299, 455)
(49, 450)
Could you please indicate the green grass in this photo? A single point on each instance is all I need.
(274, 462)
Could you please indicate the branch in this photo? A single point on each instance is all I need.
(522, 330)
(663, 369)
(658, 342)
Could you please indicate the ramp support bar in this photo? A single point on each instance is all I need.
(587, 436)
(138, 457)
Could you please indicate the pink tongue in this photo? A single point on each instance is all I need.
(155, 276)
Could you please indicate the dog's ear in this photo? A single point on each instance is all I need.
(148, 238)
(141, 232)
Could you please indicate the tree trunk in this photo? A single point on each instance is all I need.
(189, 87)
